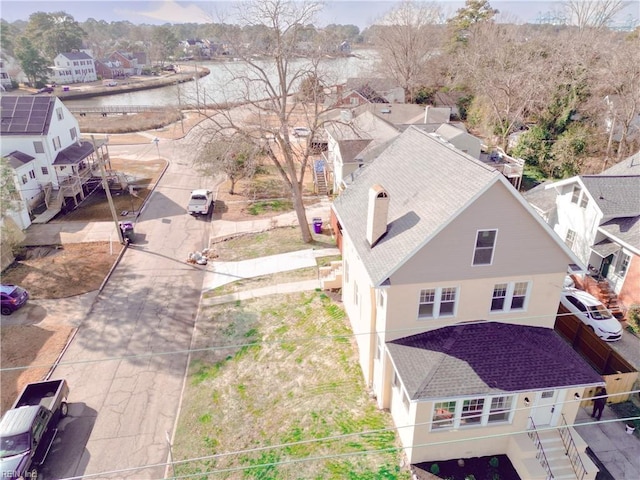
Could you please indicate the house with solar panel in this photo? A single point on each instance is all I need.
(451, 283)
(52, 165)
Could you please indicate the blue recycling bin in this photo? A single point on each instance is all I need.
(317, 225)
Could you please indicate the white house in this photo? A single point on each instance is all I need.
(598, 217)
(451, 283)
(73, 67)
(41, 140)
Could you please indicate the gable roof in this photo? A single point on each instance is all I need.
(625, 230)
(429, 182)
(76, 56)
(453, 361)
(26, 115)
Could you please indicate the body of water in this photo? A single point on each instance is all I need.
(230, 82)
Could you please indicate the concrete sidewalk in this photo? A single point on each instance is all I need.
(617, 451)
(222, 273)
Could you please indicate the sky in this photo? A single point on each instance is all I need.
(156, 12)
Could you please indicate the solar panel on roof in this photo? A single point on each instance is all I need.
(26, 114)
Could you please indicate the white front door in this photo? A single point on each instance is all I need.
(544, 407)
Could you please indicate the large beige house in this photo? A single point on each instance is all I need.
(451, 283)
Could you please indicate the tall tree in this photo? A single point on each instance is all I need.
(268, 82)
(508, 76)
(474, 11)
(164, 44)
(34, 65)
(54, 33)
(407, 37)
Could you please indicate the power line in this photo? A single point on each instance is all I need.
(300, 340)
(339, 437)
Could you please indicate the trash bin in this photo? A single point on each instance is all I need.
(317, 225)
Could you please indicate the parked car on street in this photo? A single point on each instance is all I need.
(28, 429)
(13, 297)
(200, 202)
(592, 313)
(301, 132)
(47, 89)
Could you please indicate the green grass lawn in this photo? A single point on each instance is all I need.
(281, 371)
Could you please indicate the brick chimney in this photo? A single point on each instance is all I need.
(377, 214)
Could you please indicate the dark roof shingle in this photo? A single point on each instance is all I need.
(485, 358)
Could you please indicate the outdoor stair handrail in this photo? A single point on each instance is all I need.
(542, 458)
(571, 450)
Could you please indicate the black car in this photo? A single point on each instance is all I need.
(46, 89)
(13, 297)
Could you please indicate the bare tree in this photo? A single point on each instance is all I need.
(235, 157)
(616, 89)
(593, 13)
(407, 38)
(509, 76)
(274, 65)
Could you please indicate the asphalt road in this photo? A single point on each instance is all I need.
(124, 397)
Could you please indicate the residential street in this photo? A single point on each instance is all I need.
(123, 402)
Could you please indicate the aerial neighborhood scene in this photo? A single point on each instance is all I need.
(286, 239)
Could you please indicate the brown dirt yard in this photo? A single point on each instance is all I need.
(48, 273)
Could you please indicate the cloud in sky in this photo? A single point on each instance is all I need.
(169, 11)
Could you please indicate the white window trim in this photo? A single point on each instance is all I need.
(437, 302)
(493, 248)
(484, 419)
(508, 298)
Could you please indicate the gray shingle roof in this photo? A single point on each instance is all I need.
(626, 230)
(628, 166)
(76, 55)
(615, 195)
(18, 158)
(428, 182)
(74, 153)
(485, 358)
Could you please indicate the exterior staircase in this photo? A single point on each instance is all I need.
(53, 200)
(551, 454)
(320, 177)
(331, 276)
(608, 297)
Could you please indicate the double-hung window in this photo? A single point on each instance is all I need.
(485, 243)
(570, 239)
(437, 302)
(508, 297)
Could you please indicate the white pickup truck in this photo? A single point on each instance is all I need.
(200, 202)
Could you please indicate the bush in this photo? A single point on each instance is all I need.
(435, 469)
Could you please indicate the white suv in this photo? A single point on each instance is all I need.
(592, 313)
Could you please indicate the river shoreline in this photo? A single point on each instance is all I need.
(130, 84)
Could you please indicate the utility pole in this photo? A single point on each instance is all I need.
(105, 185)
